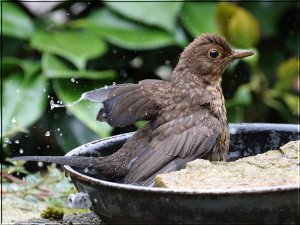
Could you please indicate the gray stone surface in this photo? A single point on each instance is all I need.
(273, 168)
(19, 211)
(15, 209)
(75, 218)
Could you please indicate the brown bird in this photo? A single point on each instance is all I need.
(187, 117)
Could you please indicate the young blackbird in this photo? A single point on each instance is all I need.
(187, 117)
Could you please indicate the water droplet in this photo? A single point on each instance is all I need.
(48, 146)
(68, 14)
(114, 83)
(137, 62)
(21, 151)
(14, 120)
(40, 164)
(17, 141)
(73, 79)
(95, 200)
(47, 134)
(6, 140)
(60, 134)
(86, 170)
(58, 129)
(53, 105)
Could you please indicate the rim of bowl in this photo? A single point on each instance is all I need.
(79, 176)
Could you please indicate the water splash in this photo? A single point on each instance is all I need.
(79, 201)
(60, 105)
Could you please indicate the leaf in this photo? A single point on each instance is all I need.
(287, 73)
(53, 67)
(124, 33)
(199, 18)
(293, 103)
(238, 25)
(70, 133)
(242, 97)
(15, 22)
(75, 46)
(23, 102)
(151, 13)
(85, 111)
(11, 65)
(243, 29)
(28, 67)
(225, 11)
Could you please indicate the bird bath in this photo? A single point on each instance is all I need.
(120, 203)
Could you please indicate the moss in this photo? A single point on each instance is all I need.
(52, 213)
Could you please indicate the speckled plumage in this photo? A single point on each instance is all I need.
(187, 116)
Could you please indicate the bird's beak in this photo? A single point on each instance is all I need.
(240, 53)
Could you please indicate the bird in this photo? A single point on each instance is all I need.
(186, 117)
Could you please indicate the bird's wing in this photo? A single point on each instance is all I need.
(179, 140)
(126, 103)
(193, 134)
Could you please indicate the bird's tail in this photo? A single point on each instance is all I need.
(77, 161)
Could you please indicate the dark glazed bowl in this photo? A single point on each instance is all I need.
(120, 203)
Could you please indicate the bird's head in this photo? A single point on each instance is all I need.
(209, 54)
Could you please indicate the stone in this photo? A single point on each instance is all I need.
(272, 168)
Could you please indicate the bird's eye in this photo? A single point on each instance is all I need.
(214, 53)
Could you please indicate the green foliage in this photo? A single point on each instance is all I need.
(22, 92)
(53, 67)
(16, 22)
(45, 59)
(140, 10)
(123, 33)
(66, 44)
(199, 18)
(238, 25)
(51, 187)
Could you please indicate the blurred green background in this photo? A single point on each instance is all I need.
(58, 50)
